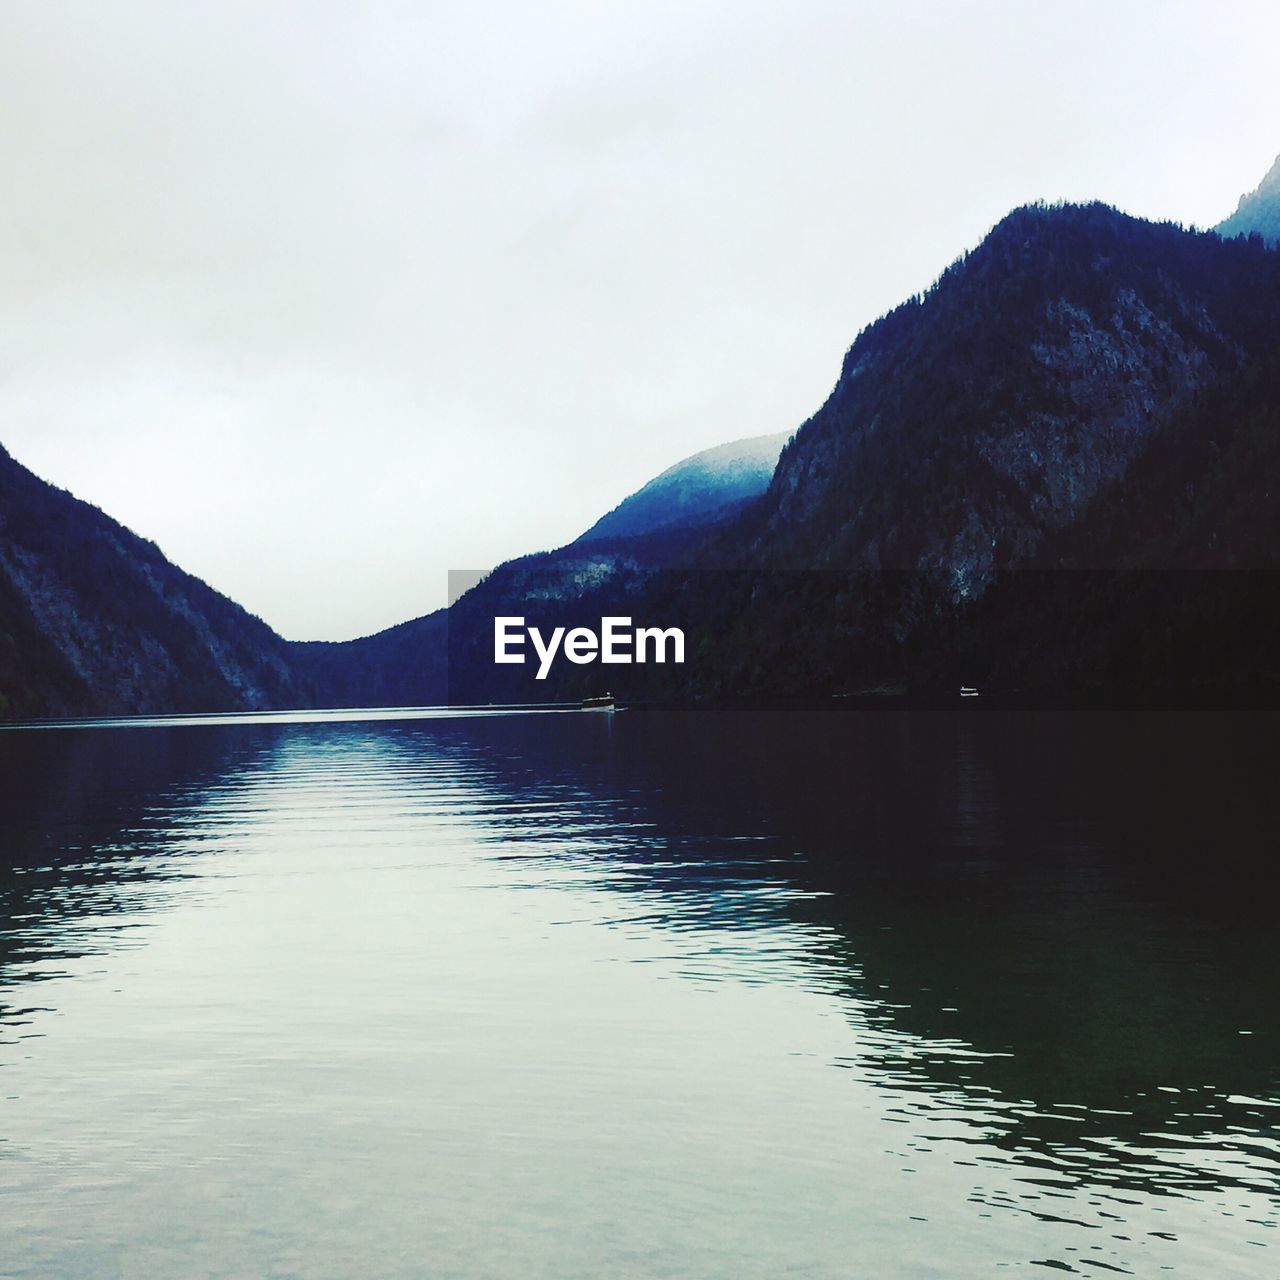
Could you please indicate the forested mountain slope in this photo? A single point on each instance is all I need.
(94, 619)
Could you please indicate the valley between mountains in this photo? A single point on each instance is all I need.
(1056, 471)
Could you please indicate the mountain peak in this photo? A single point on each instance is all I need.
(970, 422)
(1258, 210)
(695, 491)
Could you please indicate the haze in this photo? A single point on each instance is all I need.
(331, 299)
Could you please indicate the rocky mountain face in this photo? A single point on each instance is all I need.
(94, 619)
(1258, 211)
(700, 490)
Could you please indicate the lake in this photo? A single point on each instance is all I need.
(860, 992)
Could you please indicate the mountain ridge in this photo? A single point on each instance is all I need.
(1081, 388)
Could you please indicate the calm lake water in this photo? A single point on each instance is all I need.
(881, 993)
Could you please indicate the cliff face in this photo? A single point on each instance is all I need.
(1258, 210)
(94, 619)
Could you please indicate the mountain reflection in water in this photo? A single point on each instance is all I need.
(868, 992)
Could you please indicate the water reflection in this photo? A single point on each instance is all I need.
(1034, 948)
(89, 835)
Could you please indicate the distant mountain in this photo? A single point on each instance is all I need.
(447, 655)
(404, 666)
(1258, 211)
(94, 619)
(661, 525)
(702, 489)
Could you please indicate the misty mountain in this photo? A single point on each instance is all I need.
(659, 526)
(94, 619)
(1018, 480)
(1258, 210)
(707, 487)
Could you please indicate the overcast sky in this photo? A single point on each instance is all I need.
(330, 299)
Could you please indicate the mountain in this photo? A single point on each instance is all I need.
(94, 619)
(700, 490)
(1258, 211)
(1018, 480)
(972, 420)
(1047, 406)
(447, 655)
(404, 666)
(1081, 399)
(984, 496)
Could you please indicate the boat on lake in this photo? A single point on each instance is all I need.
(602, 703)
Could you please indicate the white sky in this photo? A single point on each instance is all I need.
(329, 299)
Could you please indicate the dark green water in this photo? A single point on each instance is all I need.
(876, 993)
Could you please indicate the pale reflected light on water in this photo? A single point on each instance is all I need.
(658, 994)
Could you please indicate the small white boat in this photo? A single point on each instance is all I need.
(967, 692)
(604, 703)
